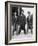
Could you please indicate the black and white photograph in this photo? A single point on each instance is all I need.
(20, 22)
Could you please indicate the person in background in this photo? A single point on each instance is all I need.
(29, 22)
(14, 21)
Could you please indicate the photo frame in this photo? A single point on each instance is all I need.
(17, 9)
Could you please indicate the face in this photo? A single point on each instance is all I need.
(21, 13)
(15, 13)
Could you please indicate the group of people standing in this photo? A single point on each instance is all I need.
(19, 22)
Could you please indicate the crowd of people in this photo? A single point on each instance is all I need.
(19, 22)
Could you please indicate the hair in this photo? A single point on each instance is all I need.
(28, 12)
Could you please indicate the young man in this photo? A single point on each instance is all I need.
(22, 22)
(29, 22)
(14, 20)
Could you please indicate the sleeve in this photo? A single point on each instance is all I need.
(25, 19)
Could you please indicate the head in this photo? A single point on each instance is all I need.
(28, 13)
(15, 13)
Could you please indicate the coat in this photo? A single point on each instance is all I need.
(21, 20)
(30, 21)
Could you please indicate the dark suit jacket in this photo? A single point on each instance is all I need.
(13, 19)
(30, 22)
(21, 20)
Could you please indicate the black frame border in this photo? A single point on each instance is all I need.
(6, 3)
